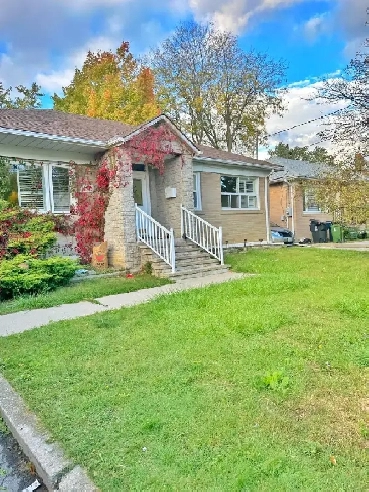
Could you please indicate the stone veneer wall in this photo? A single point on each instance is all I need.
(178, 174)
(120, 225)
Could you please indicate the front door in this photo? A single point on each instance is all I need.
(141, 191)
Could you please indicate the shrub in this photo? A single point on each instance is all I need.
(29, 275)
(23, 231)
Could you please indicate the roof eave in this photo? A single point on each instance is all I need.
(228, 162)
(55, 138)
(122, 140)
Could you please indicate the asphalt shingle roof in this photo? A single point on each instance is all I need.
(59, 123)
(294, 169)
(52, 122)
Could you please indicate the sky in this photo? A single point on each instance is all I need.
(45, 40)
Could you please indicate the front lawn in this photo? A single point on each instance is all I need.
(257, 384)
(86, 290)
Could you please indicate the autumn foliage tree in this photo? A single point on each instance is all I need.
(111, 86)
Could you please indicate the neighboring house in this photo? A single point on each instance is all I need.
(223, 189)
(292, 202)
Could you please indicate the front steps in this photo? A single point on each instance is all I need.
(191, 262)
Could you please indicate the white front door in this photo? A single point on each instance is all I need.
(141, 191)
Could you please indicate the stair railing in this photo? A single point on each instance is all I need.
(158, 238)
(202, 233)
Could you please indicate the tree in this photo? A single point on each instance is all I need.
(215, 92)
(112, 86)
(343, 189)
(318, 155)
(27, 98)
(350, 125)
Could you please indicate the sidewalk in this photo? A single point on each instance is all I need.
(27, 320)
(349, 245)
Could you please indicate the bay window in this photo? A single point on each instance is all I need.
(44, 187)
(239, 192)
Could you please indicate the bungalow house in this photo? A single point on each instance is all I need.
(292, 202)
(205, 198)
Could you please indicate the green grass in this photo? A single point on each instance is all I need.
(253, 385)
(3, 428)
(86, 290)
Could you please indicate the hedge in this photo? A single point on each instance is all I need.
(29, 275)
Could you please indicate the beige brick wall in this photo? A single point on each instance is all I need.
(238, 224)
(302, 219)
(280, 199)
(178, 174)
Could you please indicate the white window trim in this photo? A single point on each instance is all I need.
(307, 211)
(254, 193)
(47, 183)
(197, 176)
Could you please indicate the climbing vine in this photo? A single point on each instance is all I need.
(92, 186)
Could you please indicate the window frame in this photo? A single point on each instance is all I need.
(47, 186)
(255, 193)
(306, 209)
(197, 190)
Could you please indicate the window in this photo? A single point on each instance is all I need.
(310, 205)
(44, 188)
(196, 191)
(239, 192)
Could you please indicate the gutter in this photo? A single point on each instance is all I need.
(56, 138)
(234, 163)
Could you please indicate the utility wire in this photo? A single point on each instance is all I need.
(302, 124)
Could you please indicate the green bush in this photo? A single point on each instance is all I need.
(28, 275)
(25, 232)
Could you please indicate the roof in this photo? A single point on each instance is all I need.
(53, 123)
(223, 155)
(294, 169)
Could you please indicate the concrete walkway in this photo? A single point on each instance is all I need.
(27, 320)
(348, 246)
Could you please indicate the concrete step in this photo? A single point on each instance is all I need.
(207, 260)
(197, 273)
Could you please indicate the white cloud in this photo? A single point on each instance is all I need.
(234, 15)
(300, 110)
(315, 26)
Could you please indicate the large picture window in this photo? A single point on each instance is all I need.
(239, 192)
(44, 187)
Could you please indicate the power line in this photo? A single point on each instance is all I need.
(302, 124)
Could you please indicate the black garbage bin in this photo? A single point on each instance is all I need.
(328, 225)
(314, 229)
(322, 232)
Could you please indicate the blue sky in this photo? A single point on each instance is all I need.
(44, 40)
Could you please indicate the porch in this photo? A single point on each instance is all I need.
(151, 219)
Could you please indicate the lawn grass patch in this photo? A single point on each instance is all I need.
(177, 393)
(86, 290)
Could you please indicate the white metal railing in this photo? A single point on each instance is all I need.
(156, 237)
(202, 233)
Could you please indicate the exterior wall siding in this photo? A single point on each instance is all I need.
(237, 224)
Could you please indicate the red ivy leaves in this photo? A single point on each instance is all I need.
(93, 189)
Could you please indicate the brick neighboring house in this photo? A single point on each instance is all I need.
(292, 203)
(221, 188)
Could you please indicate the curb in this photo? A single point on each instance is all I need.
(56, 471)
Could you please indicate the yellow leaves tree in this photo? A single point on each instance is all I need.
(111, 86)
(343, 189)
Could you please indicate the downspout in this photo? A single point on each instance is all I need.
(292, 202)
(267, 216)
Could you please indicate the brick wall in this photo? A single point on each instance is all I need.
(179, 175)
(302, 219)
(237, 224)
